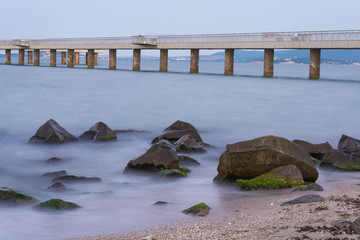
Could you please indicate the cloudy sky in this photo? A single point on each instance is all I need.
(111, 18)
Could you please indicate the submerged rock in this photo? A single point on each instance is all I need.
(309, 187)
(51, 132)
(54, 160)
(280, 177)
(188, 161)
(57, 187)
(99, 132)
(180, 125)
(159, 156)
(249, 159)
(159, 203)
(173, 173)
(55, 174)
(200, 210)
(349, 145)
(188, 144)
(316, 150)
(341, 161)
(57, 204)
(305, 199)
(74, 179)
(11, 196)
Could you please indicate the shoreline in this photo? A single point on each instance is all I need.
(260, 218)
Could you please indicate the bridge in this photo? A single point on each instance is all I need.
(70, 47)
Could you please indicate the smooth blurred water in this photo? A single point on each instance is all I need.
(225, 109)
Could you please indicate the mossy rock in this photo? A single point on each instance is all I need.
(57, 204)
(200, 209)
(309, 187)
(11, 196)
(268, 181)
(173, 173)
(185, 169)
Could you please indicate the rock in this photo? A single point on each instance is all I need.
(99, 132)
(72, 178)
(249, 159)
(342, 161)
(280, 177)
(54, 160)
(349, 145)
(173, 173)
(305, 199)
(309, 187)
(340, 224)
(355, 226)
(57, 204)
(188, 144)
(180, 125)
(13, 197)
(55, 174)
(57, 187)
(159, 156)
(129, 131)
(316, 150)
(188, 161)
(160, 203)
(174, 136)
(52, 132)
(200, 210)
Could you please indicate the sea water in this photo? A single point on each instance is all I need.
(225, 109)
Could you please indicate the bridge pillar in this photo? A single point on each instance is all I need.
(194, 61)
(112, 58)
(21, 56)
(52, 57)
(96, 55)
(30, 57)
(36, 57)
(70, 58)
(86, 58)
(229, 62)
(90, 58)
(77, 58)
(268, 62)
(8, 56)
(164, 60)
(314, 63)
(63, 57)
(136, 59)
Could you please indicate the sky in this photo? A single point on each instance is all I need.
(116, 18)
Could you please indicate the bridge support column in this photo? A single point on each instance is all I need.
(21, 56)
(314, 63)
(194, 61)
(268, 62)
(70, 58)
(112, 58)
(136, 59)
(30, 57)
(36, 57)
(63, 57)
(90, 58)
(77, 58)
(8, 56)
(164, 60)
(86, 58)
(52, 57)
(229, 62)
(96, 55)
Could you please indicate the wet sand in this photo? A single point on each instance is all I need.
(263, 218)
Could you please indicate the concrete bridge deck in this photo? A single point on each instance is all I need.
(313, 40)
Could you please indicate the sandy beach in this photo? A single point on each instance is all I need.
(264, 218)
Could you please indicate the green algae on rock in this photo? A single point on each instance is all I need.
(200, 210)
(57, 204)
(173, 173)
(11, 196)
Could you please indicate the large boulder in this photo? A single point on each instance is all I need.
(13, 197)
(280, 177)
(188, 144)
(316, 150)
(349, 145)
(52, 132)
(176, 130)
(99, 132)
(159, 156)
(249, 159)
(340, 160)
